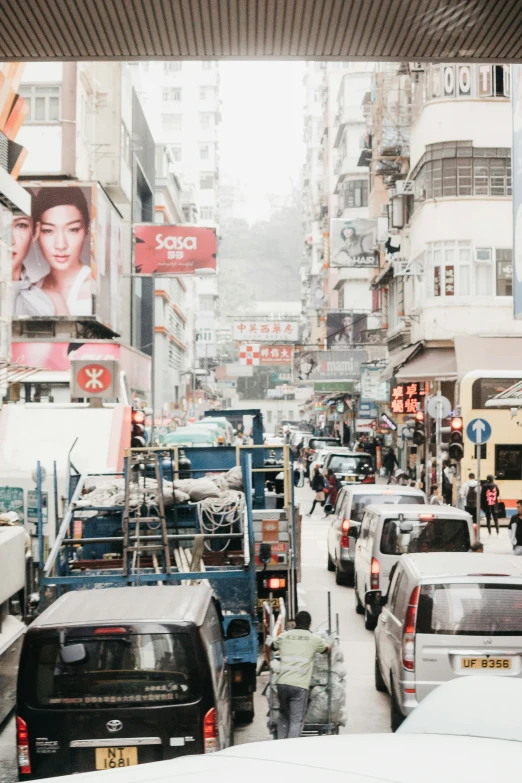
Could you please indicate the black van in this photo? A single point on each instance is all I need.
(115, 677)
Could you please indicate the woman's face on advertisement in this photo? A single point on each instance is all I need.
(22, 235)
(62, 232)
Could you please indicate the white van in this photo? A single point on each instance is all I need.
(387, 533)
(345, 522)
(447, 616)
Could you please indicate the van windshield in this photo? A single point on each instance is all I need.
(435, 535)
(361, 502)
(474, 609)
(131, 669)
(340, 463)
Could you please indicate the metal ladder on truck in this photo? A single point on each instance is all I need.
(144, 535)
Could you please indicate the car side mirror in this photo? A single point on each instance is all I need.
(374, 598)
(238, 629)
(73, 653)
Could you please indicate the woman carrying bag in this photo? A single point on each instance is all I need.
(317, 485)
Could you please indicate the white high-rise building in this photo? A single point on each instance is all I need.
(182, 103)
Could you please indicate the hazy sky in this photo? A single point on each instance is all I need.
(261, 134)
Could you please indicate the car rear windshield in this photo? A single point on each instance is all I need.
(138, 669)
(321, 443)
(435, 535)
(361, 502)
(351, 464)
(475, 609)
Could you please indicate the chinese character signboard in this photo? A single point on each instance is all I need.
(249, 355)
(407, 397)
(276, 354)
(174, 250)
(94, 379)
(265, 331)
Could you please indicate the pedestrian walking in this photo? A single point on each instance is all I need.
(470, 494)
(436, 496)
(489, 498)
(515, 530)
(297, 649)
(447, 483)
(331, 500)
(389, 461)
(317, 485)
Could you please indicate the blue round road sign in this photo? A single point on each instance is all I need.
(478, 431)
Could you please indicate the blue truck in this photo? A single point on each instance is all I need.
(140, 538)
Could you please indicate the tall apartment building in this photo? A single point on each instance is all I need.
(182, 102)
(445, 284)
(85, 124)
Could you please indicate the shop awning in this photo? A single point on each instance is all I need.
(397, 361)
(432, 364)
(488, 354)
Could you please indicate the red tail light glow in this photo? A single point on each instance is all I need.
(408, 638)
(344, 537)
(210, 734)
(368, 480)
(275, 583)
(375, 574)
(109, 631)
(22, 741)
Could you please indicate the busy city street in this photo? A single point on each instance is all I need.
(260, 390)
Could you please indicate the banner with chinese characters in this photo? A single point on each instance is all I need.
(408, 397)
(264, 330)
(276, 354)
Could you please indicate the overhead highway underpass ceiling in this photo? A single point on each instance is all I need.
(486, 30)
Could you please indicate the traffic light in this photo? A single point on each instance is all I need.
(138, 439)
(418, 433)
(456, 447)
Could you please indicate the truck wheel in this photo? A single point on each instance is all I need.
(243, 717)
(331, 564)
(380, 685)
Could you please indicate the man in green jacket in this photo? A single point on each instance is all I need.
(297, 649)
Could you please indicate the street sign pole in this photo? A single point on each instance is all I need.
(478, 432)
(479, 492)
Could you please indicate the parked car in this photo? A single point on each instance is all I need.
(387, 534)
(321, 455)
(350, 467)
(447, 616)
(345, 522)
(122, 676)
(315, 444)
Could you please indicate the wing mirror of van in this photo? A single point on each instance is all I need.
(238, 629)
(72, 653)
(374, 598)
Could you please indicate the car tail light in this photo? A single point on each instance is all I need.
(375, 574)
(210, 732)
(368, 480)
(408, 638)
(109, 631)
(344, 537)
(426, 517)
(275, 583)
(22, 741)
